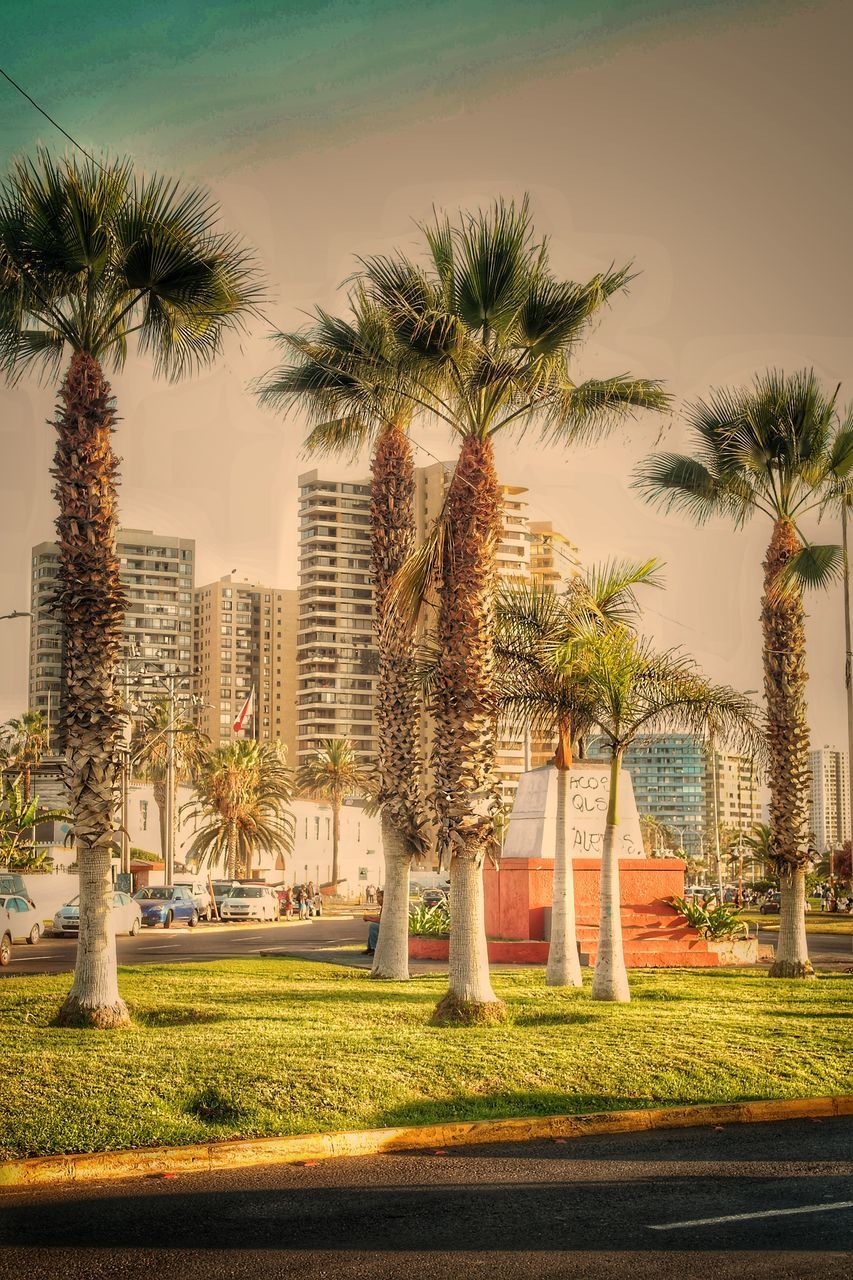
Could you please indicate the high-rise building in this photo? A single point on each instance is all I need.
(245, 652)
(157, 572)
(553, 558)
(336, 654)
(829, 798)
(668, 776)
(738, 807)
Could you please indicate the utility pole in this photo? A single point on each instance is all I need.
(848, 662)
(170, 784)
(713, 750)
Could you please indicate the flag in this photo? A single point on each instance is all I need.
(248, 710)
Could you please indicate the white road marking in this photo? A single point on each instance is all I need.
(745, 1217)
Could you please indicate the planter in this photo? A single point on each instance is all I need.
(428, 947)
(739, 950)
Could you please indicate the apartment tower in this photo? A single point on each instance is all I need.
(829, 798)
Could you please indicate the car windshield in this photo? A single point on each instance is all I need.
(157, 893)
(244, 892)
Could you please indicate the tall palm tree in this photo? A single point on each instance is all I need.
(341, 373)
(637, 690)
(149, 751)
(775, 449)
(332, 773)
(91, 255)
(535, 627)
(484, 332)
(24, 742)
(242, 806)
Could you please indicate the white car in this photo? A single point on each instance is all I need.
(24, 921)
(126, 916)
(250, 902)
(201, 897)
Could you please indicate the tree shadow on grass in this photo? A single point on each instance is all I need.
(556, 1018)
(185, 1017)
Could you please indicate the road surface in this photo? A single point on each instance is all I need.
(319, 936)
(752, 1201)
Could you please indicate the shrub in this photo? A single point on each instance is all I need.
(430, 922)
(718, 923)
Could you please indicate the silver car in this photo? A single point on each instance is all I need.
(126, 916)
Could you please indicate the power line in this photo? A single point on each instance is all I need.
(49, 117)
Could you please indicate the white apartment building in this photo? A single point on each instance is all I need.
(829, 798)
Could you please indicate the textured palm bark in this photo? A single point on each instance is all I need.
(90, 602)
(610, 979)
(563, 968)
(465, 709)
(231, 855)
(159, 788)
(398, 762)
(785, 676)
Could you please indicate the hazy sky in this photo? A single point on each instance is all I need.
(709, 142)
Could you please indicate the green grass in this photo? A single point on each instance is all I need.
(816, 922)
(278, 1046)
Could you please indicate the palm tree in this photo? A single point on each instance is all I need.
(24, 742)
(534, 625)
(336, 374)
(775, 449)
(637, 690)
(332, 773)
(484, 332)
(91, 255)
(243, 793)
(19, 815)
(656, 834)
(150, 751)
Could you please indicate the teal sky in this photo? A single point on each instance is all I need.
(185, 80)
(706, 141)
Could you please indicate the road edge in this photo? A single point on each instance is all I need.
(299, 1148)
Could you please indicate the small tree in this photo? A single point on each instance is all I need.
(24, 741)
(18, 819)
(637, 690)
(242, 805)
(332, 774)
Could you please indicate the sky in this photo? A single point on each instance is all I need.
(707, 142)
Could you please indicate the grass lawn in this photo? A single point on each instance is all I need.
(816, 922)
(277, 1046)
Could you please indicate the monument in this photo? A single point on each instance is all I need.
(534, 819)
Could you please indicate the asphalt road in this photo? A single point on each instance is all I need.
(325, 934)
(748, 1201)
(205, 942)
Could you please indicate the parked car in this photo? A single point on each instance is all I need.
(23, 922)
(250, 902)
(5, 937)
(432, 897)
(126, 916)
(771, 904)
(221, 890)
(165, 904)
(201, 897)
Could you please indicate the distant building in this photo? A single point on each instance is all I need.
(245, 652)
(157, 572)
(553, 558)
(829, 798)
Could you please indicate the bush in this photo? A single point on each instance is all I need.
(718, 923)
(430, 922)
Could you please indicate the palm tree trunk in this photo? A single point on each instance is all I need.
(563, 968)
(159, 789)
(465, 708)
(392, 947)
(610, 980)
(783, 625)
(397, 705)
(231, 858)
(91, 606)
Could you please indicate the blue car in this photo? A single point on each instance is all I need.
(165, 904)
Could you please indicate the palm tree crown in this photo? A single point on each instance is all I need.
(91, 254)
(333, 772)
(243, 793)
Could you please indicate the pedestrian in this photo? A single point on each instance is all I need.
(304, 909)
(374, 922)
(318, 903)
(288, 904)
(368, 893)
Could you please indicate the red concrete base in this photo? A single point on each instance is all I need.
(518, 893)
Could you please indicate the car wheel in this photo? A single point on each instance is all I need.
(34, 935)
(134, 929)
(5, 949)
(167, 923)
(193, 920)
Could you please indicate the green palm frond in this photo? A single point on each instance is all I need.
(589, 410)
(680, 483)
(812, 568)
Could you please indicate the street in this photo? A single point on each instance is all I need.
(321, 937)
(749, 1201)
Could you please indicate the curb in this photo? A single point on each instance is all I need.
(243, 1153)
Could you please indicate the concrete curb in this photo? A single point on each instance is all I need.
(243, 1153)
